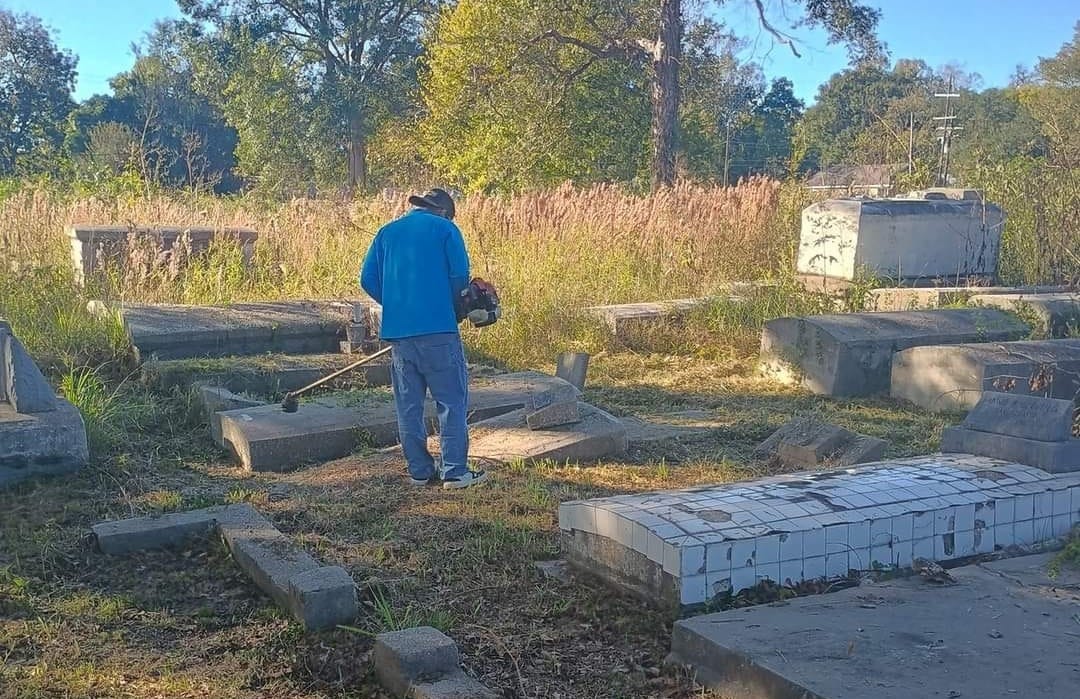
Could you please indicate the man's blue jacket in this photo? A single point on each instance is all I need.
(415, 268)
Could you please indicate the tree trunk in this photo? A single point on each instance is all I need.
(357, 155)
(665, 120)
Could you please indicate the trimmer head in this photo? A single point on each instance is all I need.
(290, 404)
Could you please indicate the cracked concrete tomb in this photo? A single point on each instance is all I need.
(424, 663)
(1050, 314)
(809, 443)
(850, 354)
(267, 439)
(1000, 629)
(904, 240)
(915, 298)
(681, 549)
(595, 435)
(955, 377)
(317, 596)
(165, 332)
(41, 434)
(1025, 429)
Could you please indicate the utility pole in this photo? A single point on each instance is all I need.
(911, 143)
(945, 132)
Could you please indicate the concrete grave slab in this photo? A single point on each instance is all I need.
(1050, 314)
(901, 239)
(264, 375)
(681, 549)
(1026, 429)
(317, 596)
(425, 663)
(180, 332)
(508, 438)
(624, 320)
(914, 298)
(992, 634)
(43, 444)
(955, 377)
(268, 439)
(851, 354)
(22, 385)
(806, 443)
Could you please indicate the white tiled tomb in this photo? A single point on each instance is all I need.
(685, 547)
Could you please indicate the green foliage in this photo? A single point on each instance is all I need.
(36, 80)
(505, 111)
(1054, 101)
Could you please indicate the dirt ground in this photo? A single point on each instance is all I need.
(75, 623)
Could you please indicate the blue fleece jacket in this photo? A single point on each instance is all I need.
(414, 269)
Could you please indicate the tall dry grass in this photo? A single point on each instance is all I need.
(550, 253)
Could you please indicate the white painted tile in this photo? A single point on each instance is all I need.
(836, 565)
(859, 535)
(717, 583)
(985, 514)
(923, 548)
(1024, 533)
(791, 572)
(655, 550)
(1044, 528)
(945, 546)
(903, 527)
(1044, 505)
(881, 558)
(742, 579)
(1025, 507)
(641, 538)
(692, 590)
(768, 549)
(743, 554)
(768, 571)
(1062, 524)
(624, 531)
(881, 533)
(607, 524)
(923, 525)
(1005, 511)
(965, 518)
(568, 517)
(672, 563)
(1074, 498)
(813, 568)
(1062, 503)
(718, 557)
(944, 521)
(791, 546)
(813, 543)
(984, 539)
(965, 543)
(692, 561)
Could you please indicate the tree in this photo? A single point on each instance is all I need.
(655, 38)
(1054, 101)
(36, 81)
(357, 55)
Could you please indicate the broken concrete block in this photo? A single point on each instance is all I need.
(554, 415)
(323, 598)
(403, 658)
(1051, 315)
(24, 386)
(806, 442)
(455, 686)
(43, 444)
(508, 437)
(851, 354)
(129, 535)
(955, 377)
(914, 298)
(573, 368)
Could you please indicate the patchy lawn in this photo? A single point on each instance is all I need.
(75, 623)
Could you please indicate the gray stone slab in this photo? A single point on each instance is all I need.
(554, 415)
(623, 320)
(920, 298)
(409, 656)
(268, 439)
(806, 442)
(851, 354)
(179, 332)
(264, 375)
(24, 386)
(454, 686)
(573, 367)
(323, 598)
(1055, 457)
(985, 637)
(40, 445)
(508, 438)
(954, 377)
(1050, 314)
(1028, 417)
(141, 533)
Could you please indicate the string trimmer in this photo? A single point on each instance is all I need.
(291, 403)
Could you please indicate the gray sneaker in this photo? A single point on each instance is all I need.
(422, 483)
(469, 479)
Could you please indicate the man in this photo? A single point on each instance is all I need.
(415, 269)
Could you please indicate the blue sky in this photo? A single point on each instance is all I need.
(989, 37)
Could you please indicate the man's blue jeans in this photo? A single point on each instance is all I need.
(433, 363)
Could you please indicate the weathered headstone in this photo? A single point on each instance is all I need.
(573, 367)
(954, 377)
(851, 354)
(1025, 429)
(553, 407)
(1051, 314)
(806, 443)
